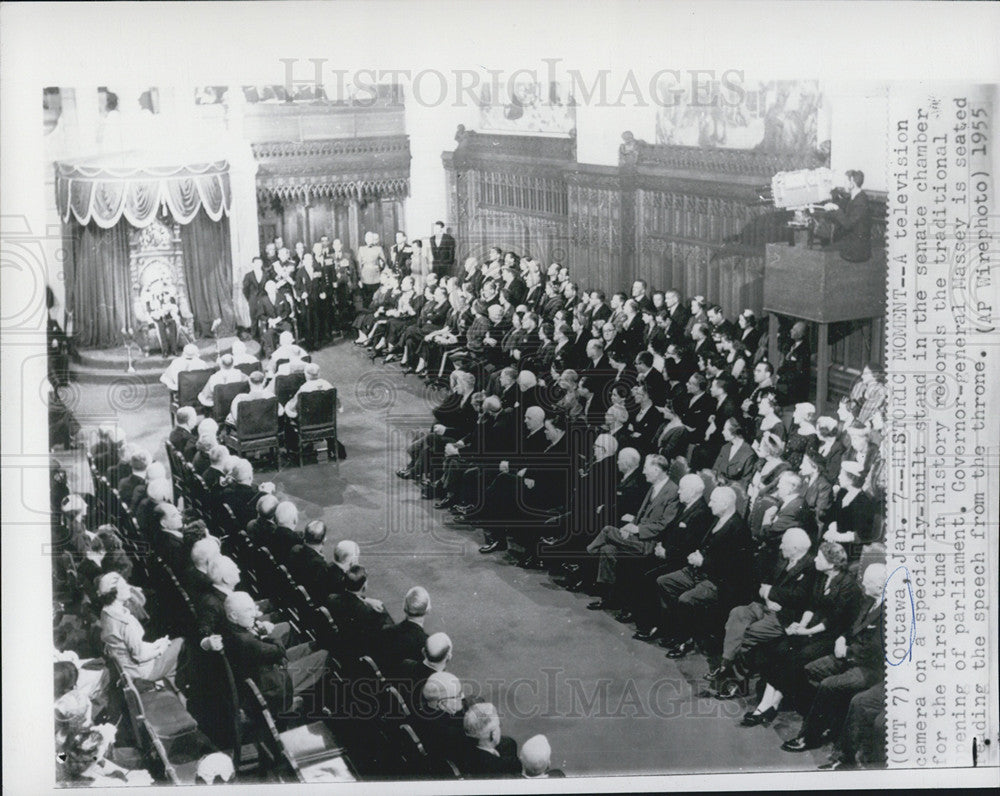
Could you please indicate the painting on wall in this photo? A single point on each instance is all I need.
(776, 117)
(527, 108)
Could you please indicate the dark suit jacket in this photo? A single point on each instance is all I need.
(725, 556)
(791, 588)
(311, 571)
(399, 642)
(644, 430)
(855, 220)
(242, 499)
(685, 533)
(443, 254)
(838, 607)
(282, 541)
(818, 497)
(357, 621)
(630, 494)
(210, 607)
(696, 416)
(740, 467)
(656, 386)
(832, 460)
(866, 638)
(261, 658)
(180, 437)
(127, 485)
(478, 764)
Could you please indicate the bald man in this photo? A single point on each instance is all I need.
(714, 573)
(188, 360)
(405, 640)
(345, 555)
(536, 759)
(780, 601)
(312, 383)
(413, 673)
(281, 675)
(438, 717)
(500, 501)
(680, 538)
(488, 753)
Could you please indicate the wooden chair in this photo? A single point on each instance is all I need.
(317, 420)
(256, 429)
(189, 384)
(249, 367)
(222, 398)
(286, 386)
(308, 753)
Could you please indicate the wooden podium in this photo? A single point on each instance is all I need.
(817, 285)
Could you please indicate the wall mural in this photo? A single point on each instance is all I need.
(777, 117)
(527, 108)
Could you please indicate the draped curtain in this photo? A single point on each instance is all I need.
(208, 273)
(107, 192)
(100, 294)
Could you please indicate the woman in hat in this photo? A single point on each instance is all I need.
(852, 518)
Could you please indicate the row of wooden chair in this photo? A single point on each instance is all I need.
(191, 382)
(381, 741)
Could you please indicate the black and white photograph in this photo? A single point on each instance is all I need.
(443, 395)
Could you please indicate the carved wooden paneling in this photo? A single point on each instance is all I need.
(681, 217)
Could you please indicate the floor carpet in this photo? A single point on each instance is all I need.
(608, 704)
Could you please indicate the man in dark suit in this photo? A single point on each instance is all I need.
(253, 652)
(413, 673)
(138, 463)
(442, 251)
(719, 323)
(438, 715)
(405, 640)
(184, 433)
(853, 217)
(712, 575)
(499, 501)
(782, 598)
(790, 512)
(260, 528)
(700, 408)
(240, 493)
(488, 754)
(308, 566)
(817, 493)
(793, 372)
(358, 618)
(253, 283)
(857, 663)
(725, 407)
(675, 544)
(284, 536)
(656, 385)
(213, 474)
(637, 537)
(679, 314)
